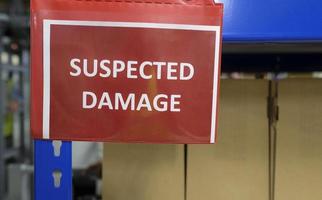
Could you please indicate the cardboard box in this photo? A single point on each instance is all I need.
(299, 140)
(236, 168)
(143, 172)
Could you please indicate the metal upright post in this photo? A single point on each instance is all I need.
(2, 143)
(272, 121)
(26, 102)
(23, 112)
(53, 170)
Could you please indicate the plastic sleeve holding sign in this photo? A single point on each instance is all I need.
(132, 72)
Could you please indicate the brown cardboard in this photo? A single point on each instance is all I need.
(143, 172)
(299, 140)
(236, 168)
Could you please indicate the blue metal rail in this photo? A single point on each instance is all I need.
(49, 166)
(272, 20)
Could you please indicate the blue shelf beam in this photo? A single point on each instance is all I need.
(46, 165)
(272, 21)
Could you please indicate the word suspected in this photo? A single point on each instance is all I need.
(172, 71)
(132, 69)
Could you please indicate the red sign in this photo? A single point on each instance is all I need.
(130, 74)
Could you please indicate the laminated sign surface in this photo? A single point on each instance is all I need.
(125, 71)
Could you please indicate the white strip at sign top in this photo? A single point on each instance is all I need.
(132, 25)
(46, 79)
(215, 88)
(46, 58)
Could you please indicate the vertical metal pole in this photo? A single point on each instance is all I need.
(2, 143)
(272, 111)
(50, 166)
(26, 125)
(23, 112)
(22, 148)
(26, 103)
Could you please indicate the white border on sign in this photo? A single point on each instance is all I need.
(46, 59)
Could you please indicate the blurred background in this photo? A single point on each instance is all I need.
(16, 147)
(15, 143)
